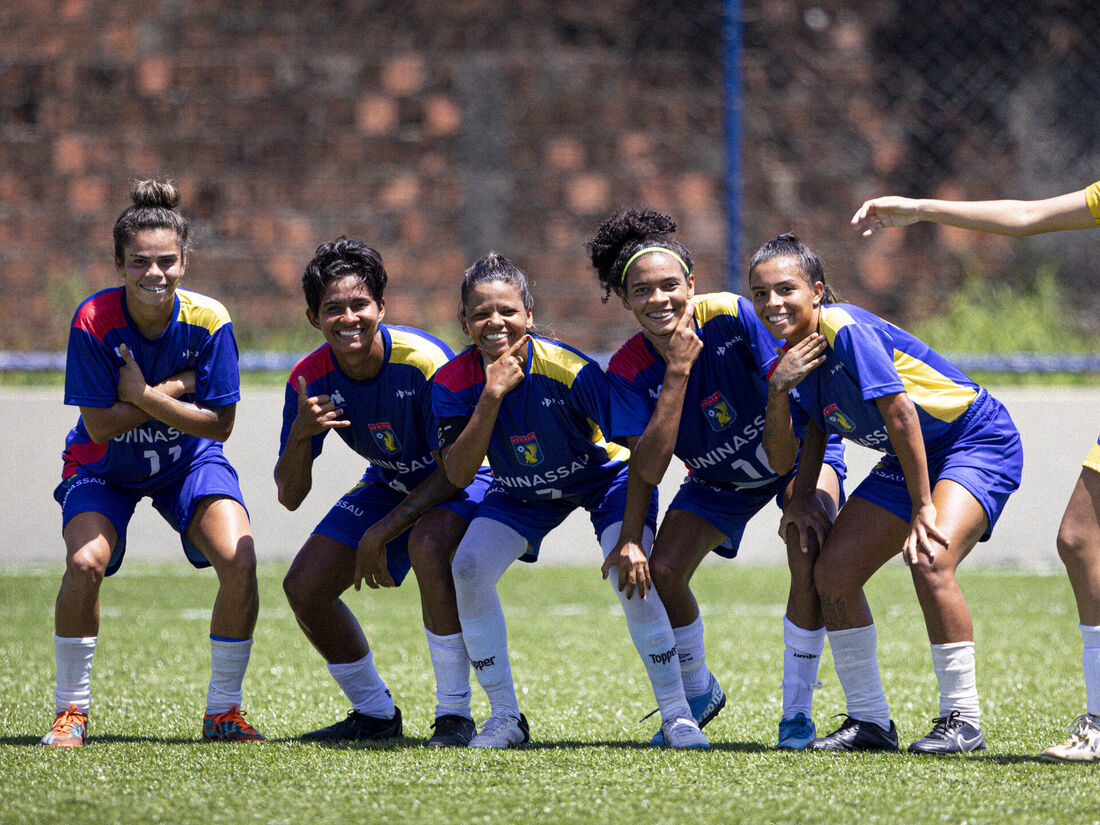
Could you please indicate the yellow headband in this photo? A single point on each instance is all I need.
(642, 252)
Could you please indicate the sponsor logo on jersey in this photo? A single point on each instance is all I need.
(725, 345)
(336, 398)
(718, 411)
(148, 434)
(385, 436)
(838, 419)
(527, 449)
(405, 393)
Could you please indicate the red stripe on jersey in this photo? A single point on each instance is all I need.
(462, 372)
(101, 314)
(81, 454)
(313, 367)
(780, 352)
(632, 358)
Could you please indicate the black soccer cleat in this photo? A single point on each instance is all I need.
(950, 734)
(856, 735)
(452, 731)
(357, 727)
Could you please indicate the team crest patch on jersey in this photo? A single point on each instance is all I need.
(385, 436)
(527, 449)
(838, 419)
(718, 411)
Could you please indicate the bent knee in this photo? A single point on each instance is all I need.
(667, 575)
(831, 582)
(1077, 545)
(466, 571)
(86, 567)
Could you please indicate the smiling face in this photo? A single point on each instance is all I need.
(348, 317)
(657, 290)
(494, 317)
(783, 299)
(151, 266)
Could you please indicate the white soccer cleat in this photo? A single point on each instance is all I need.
(1083, 744)
(502, 731)
(683, 733)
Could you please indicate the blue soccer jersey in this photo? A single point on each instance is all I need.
(868, 358)
(199, 337)
(390, 414)
(722, 422)
(548, 441)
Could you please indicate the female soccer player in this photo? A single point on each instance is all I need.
(692, 383)
(951, 458)
(369, 383)
(538, 409)
(1079, 533)
(153, 369)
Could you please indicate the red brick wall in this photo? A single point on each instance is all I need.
(436, 131)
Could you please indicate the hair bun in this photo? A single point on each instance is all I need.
(155, 193)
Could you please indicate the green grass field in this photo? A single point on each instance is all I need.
(582, 688)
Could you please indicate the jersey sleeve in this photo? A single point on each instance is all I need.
(91, 371)
(633, 384)
(1092, 197)
(868, 353)
(591, 397)
(217, 373)
(798, 418)
(450, 409)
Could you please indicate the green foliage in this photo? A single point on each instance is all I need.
(582, 687)
(984, 316)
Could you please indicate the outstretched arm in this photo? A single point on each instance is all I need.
(1003, 217)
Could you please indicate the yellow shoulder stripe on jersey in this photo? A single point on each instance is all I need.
(201, 311)
(714, 304)
(932, 391)
(616, 452)
(558, 363)
(831, 320)
(406, 348)
(1092, 195)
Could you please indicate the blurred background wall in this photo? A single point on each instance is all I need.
(441, 130)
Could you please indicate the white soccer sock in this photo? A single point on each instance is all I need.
(1090, 661)
(228, 662)
(954, 667)
(856, 663)
(484, 553)
(364, 687)
(487, 644)
(451, 664)
(693, 657)
(73, 655)
(801, 658)
(652, 635)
